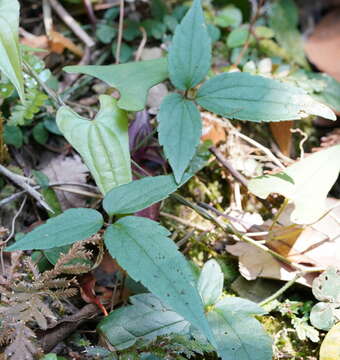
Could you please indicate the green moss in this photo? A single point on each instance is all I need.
(286, 343)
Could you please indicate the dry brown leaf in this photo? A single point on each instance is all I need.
(316, 246)
(36, 42)
(323, 46)
(282, 135)
(212, 131)
(58, 43)
(255, 263)
(70, 169)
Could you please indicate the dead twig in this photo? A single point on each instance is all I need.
(120, 31)
(51, 337)
(58, 186)
(239, 177)
(23, 183)
(90, 12)
(72, 23)
(10, 236)
(265, 150)
(256, 10)
(142, 44)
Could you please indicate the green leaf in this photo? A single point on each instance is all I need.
(13, 136)
(133, 94)
(126, 52)
(179, 130)
(326, 288)
(214, 32)
(306, 183)
(142, 247)
(255, 98)
(330, 94)
(71, 226)
(23, 114)
(324, 315)
(40, 133)
(10, 57)
(142, 321)
(229, 16)
(238, 37)
(103, 143)
(210, 282)
(190, 51)
(126, 199)
(41, 179)
(264, 32)
(105, 33)
(283, 20)
(131, 30)
(238, 335)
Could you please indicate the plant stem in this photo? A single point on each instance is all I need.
(120, 31)
(48, 90)
(229, 228)
(281, 290)
(277, 216)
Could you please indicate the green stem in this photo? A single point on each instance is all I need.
(281, 290)
(55, 97)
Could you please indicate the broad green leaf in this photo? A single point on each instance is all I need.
(306, 183)
(179, 130)
(229, 16)
(324, 315)
(238, 335)
(330, 94)
(13, 136)
(326, 288)
(126, 52)
(133, 80)
(255, 98)
(103, 143)
(142, 247)
(330, 349)
(127, 199)
(210, 282)
(10, 57)
(142, 321)
(71, 226)
(238, 37)
(40, 134)
(283, 19)
(190, 51)
(105, 33)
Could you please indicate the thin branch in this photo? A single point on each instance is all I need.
(18, 180)
(120, 31)
(186, 222)
(48, 90)
(265, 150)
(90, 12)
(142, 44)
(10, 236)
(239, 177)
(229, 228)
(281, 290)
(256, 10)
(55, 185)
(72, 23)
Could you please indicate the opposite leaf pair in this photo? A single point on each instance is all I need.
(230, 318)
(235, 95)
